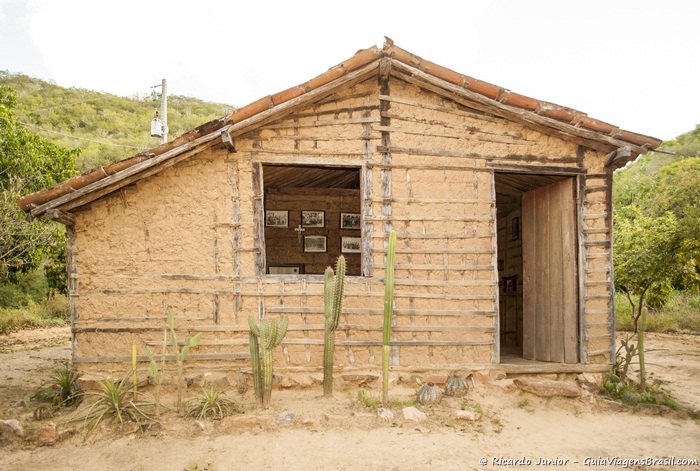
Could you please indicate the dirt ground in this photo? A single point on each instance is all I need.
(587, 432)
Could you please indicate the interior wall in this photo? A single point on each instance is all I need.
(510, 279)
(283, 245)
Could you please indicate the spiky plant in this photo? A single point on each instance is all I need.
(181, 353)
(388, 313)
(334, 285)
(264, 337)
(456, 385)
(429, 393)
(210, 403)
(113, 399)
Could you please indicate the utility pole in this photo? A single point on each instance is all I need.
(164, 111)
(159, 124)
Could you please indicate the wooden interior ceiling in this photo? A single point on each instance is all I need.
(511, 186)
(287, 176)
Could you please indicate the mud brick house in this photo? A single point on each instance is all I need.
(501, 204)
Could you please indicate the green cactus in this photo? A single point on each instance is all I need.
(263, 338)
(334, 285)
(456, 385)
(388, 312)
(181, 353)
(429, 393)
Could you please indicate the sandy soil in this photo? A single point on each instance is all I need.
(332, 433)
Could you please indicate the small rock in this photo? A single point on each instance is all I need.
(65, 434)
(285, 417)
(469, 415)
(14, 426)
(334, 417)
(385, 414)
(308, 422)
(48, 435)
(547, 387)
(411, 413)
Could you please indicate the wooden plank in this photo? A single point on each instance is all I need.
(570, 271)
(530, 273)
(64, 217)
(323, 122)
(259, 217)
(535, 169)
(555, 256)
(461, 136)
(144, 358)
(433, 267)
(474, 155)
(418, 166)
(398, 312)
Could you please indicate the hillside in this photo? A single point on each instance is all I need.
(106, 128)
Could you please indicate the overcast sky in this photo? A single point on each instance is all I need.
(632, 63)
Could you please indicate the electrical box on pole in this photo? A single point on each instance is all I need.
(159, 126)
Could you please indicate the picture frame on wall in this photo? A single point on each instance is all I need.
(515, 228)
(351, 244)
(313, 219)
(276, 218)
(285, 269)
(350, 220)
(314, 243)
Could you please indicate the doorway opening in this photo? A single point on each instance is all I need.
(537, 267)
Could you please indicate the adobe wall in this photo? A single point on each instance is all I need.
(189, 241)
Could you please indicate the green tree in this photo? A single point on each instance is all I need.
(28, 163)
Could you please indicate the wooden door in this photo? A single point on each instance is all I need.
(550, 307)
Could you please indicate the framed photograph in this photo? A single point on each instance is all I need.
(515, 228)
(350, 220)
(351, 244)
(500, 264)
(276, 218)
(285, 269)
(313, 219)
(314, 243)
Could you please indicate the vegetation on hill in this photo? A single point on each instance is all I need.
(106, 128)
(657, 230)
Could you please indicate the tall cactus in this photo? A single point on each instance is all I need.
(333, 288)
(388, 312)
(263, 338)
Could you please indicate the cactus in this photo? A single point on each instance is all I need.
(181, 353)
(455, 385)
(388, 312)
(429, 393)
(263, 338)
(334, 284)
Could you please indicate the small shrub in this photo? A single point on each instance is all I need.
(210, 404)
(113, 399)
